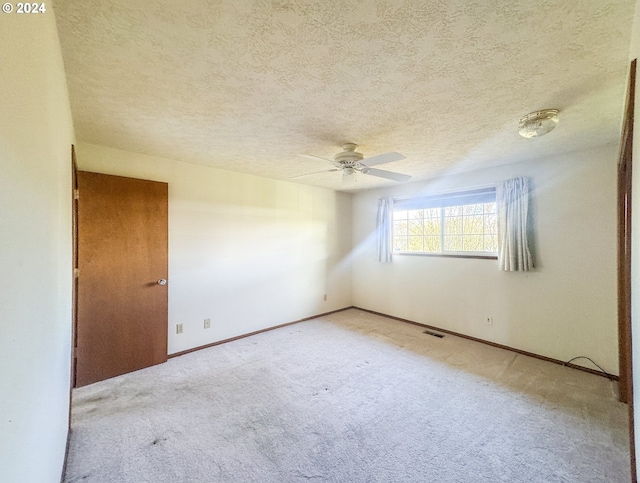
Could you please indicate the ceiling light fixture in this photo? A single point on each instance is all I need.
(348, 171)
(538, 123)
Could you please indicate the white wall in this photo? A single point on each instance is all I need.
(35, 250)
(247, 252)
(565, 308)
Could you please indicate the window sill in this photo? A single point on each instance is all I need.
(478, 256)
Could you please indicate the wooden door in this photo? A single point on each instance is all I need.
(624, 245)
(122, 255)
(625, 166)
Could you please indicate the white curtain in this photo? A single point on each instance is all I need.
(384, 230)
(512, 198)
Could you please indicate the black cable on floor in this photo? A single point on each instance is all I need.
(609, 376)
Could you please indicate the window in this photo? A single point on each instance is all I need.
(455, 224)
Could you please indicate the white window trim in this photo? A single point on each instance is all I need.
(449, 254)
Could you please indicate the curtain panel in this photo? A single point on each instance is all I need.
(384, 230)
(512, 197)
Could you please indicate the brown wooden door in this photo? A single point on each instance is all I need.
(625, 166)
(122, 254)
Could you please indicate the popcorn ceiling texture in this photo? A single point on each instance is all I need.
(247, 85)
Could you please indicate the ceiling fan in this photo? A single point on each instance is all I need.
(350, 162)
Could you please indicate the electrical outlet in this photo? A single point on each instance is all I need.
(489, 320)
(325, 297)
(207, 323)
(179, 328)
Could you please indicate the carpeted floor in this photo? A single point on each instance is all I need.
(350, 397)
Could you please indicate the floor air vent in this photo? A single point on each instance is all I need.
(435, 334)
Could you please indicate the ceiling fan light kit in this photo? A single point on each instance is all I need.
(538, 123)
(351, 162)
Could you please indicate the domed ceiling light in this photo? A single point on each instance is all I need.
(538, 123)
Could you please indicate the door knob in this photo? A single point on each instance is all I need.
(162, 281)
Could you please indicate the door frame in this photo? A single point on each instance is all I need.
(625, 163)
(74, 296)
(74, 303)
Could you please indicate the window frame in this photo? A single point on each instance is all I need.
(453, 198)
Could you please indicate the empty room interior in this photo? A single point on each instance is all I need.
(293, 240)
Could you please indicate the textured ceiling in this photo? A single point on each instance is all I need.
(247, 85)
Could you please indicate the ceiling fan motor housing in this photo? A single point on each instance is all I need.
(349, 158)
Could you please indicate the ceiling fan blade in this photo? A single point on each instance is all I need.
(315, 172)
(382, 158)
(380, 173)
(315, 158)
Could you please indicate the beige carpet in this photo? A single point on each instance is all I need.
(350, 397)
